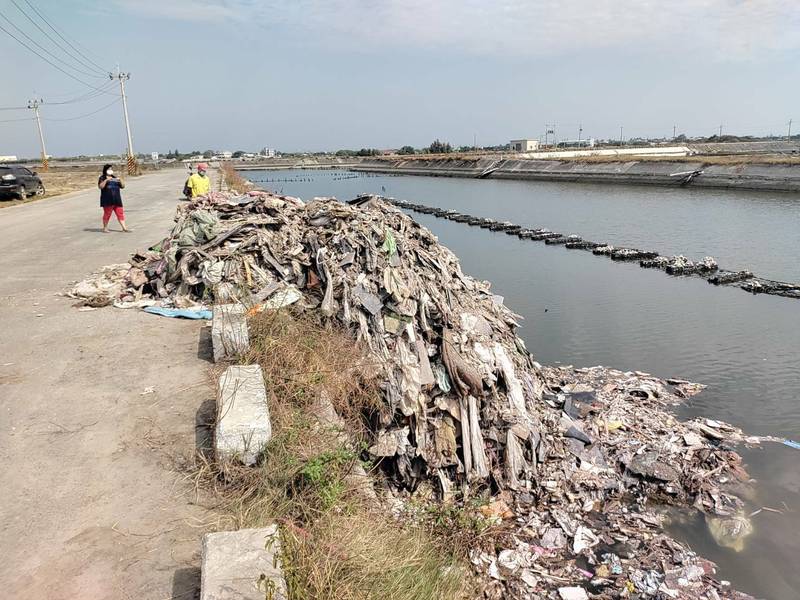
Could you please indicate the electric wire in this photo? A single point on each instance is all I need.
(87, 96)
(82, 98)
(45, 50)
(18, 120)
(78, 60)
(43, 18)
(52, 64)
(94, 112)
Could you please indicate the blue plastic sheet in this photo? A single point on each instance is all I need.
(181, 313)
(792, 444)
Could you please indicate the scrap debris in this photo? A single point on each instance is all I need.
(578, 459)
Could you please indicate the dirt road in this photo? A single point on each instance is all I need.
(93, 500)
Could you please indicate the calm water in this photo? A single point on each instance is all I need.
(745, 348)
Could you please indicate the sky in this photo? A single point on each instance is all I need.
(312, 75)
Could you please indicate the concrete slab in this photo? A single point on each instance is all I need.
(229, 331)
(243, 425)
(242, 565)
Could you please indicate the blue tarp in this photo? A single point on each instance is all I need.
(183, 313)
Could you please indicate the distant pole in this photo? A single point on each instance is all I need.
(789, 134)
(34, 104)
(123, 77)
(720, 130)
(674, 131)
(621, 143)
(474, 142)
(580, 132)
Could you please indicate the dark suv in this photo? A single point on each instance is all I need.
(16, 180)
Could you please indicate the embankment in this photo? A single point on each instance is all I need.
(750, 176)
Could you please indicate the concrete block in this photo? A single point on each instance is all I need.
(229, 331)
(243, 425)
(242, 565)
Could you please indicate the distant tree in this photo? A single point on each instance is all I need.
(368, 152)
(438, 147)
(407, 150)
(465, 148)
(238, 154)
(345, 153)
(208, 154)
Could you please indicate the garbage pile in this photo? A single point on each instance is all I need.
(576, 457)
(590, 525)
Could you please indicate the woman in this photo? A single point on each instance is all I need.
(111, 197)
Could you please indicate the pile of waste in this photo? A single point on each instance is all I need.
(578, 459)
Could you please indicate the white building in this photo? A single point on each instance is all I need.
(524, 145)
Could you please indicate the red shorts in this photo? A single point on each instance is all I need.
(117, 210)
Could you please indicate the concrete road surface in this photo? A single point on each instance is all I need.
(95, 501)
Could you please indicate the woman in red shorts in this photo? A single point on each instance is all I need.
(111, 197)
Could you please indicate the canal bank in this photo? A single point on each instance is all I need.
(778, 176)
(585, 311)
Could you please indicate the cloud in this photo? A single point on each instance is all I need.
(210, 11)
(724, 29)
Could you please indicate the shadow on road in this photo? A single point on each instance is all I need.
(186, 584)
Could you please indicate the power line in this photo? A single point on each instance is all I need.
(77, 59)
(17, 120)
(52, 64)
(45, 50)
(94, 112)
(82, 98)
(106, 89)
(43, 18)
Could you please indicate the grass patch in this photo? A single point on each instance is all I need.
(233, 181)
(336, 542)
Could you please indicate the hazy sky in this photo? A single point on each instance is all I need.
(314, 74)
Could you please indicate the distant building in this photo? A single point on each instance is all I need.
(8, 158)
(226, 155)
(587, 143)
(269, 152)
(524, 145)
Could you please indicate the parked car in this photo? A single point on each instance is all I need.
(19, 181)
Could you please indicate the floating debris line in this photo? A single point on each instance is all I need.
(677, 265)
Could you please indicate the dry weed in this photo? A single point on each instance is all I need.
(234, 181)
(335, 544)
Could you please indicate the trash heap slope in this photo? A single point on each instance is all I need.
(575, 456)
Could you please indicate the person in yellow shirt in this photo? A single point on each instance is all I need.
(199, 183)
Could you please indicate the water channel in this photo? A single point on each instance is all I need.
(585, 310)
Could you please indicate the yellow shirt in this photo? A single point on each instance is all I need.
(200, 186)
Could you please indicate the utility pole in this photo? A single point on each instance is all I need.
(123, 77)
(35, 104)
(580, 132)
(474, 142)
(720, 130)
(674, 132)
(789, 133)
(621, 143)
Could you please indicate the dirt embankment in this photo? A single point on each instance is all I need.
(760, 173)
